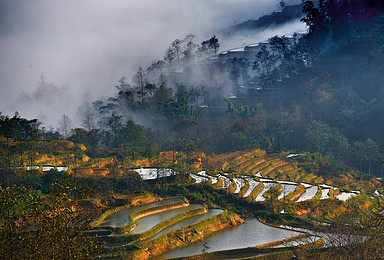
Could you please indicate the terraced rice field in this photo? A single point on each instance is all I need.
(251, 233)
(267, 186)
(252, 185)
(198, 179)
(214, 180)
(121, 218)
(154, 173)
(254, 167)
(190, 221)
(287, 188)
(148, 222)
(240, 182)
(325, 194)
(345, 196)
(308, 194)
(226, 181)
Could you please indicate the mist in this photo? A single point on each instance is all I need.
(83, 48)
(243, 39)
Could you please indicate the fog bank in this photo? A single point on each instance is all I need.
(83, 47)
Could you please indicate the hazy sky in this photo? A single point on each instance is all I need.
(83, 47)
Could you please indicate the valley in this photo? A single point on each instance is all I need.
(269, 148)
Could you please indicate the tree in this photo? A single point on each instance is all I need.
(123, 85)
(312, 17)
(319, 137)
(352, 235)
(186, 156)
(65, 125)
(189, 50)
(32, 145)
(126, 91)
(242, 112)
(181, 109)
(88, 123)
(155, 71)
(161, 96)
(170, 56)
(115, 125)
(264, 65)
(16, 129)
(140, 80)
(366, 154)
(288, 54)
(210, 46)
(50, 134)
(281, 127)
(238, 68)
(132, 140)
(176, 45)
(33, 227)
(13, 202)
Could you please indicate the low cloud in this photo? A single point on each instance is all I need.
(87, 46)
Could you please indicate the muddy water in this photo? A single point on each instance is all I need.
(190, 221)
(121, 217)
(249, 234)
(148, 222)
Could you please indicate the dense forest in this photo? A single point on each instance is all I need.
(320, 93)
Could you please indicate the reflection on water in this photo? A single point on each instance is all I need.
(148, 222)
(121, 217)
(190, 221)
(249, 234)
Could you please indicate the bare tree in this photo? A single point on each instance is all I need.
(190, 49)
(139, 78)
(65, 125)
(352, 235)
(170, 56)
(88, 123)
(176, 45)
